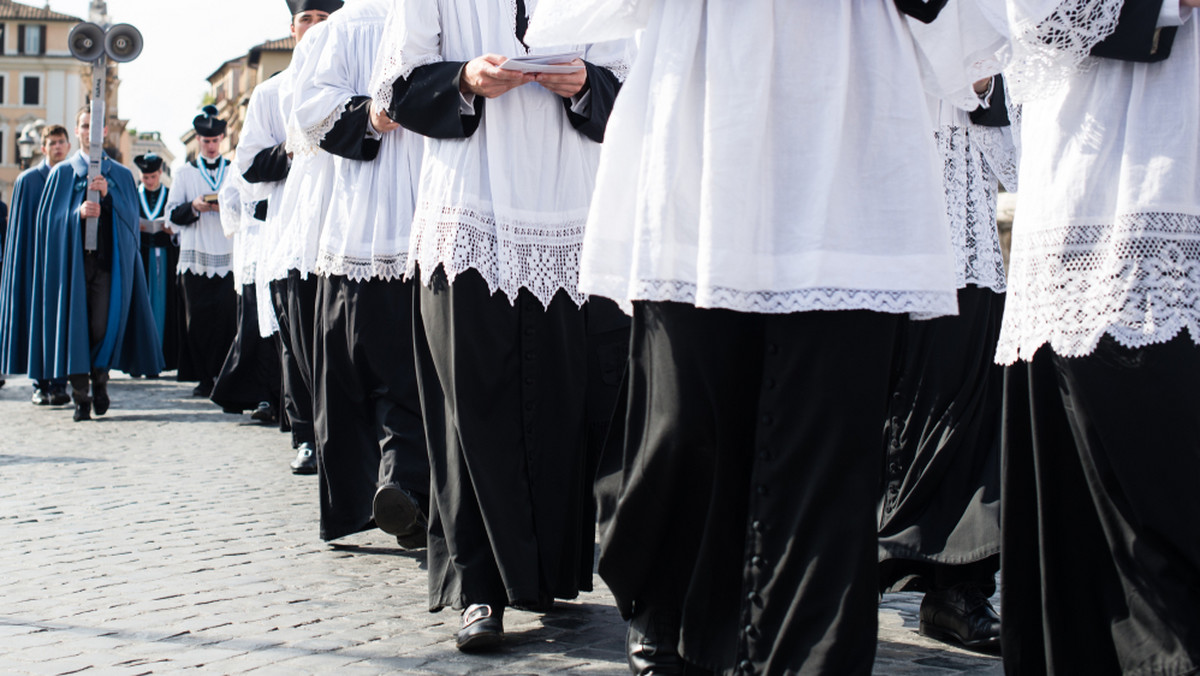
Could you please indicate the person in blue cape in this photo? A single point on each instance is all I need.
(91, 312)
(16, 282)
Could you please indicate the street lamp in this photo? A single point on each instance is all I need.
(25, 146)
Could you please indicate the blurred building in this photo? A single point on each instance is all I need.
(141, 143)
(231, 84)
(41, 84)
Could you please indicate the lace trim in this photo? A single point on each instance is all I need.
(1047, 51)
(541, 257)
(927, 304)
(209, 265)
(307, 140)
(361, 268)
(395, 67)
(971, 208)
(1137, 280)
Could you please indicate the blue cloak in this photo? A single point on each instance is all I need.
(58, 340)
(16, 277)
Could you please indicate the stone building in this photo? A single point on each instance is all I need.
(231, 84)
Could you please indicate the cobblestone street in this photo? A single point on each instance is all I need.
(168, 536)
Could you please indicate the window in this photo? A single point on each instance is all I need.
(31, 90)
(3, 88)
(31, 39)
(3, 33)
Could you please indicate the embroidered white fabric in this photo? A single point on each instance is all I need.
(237, 218)
(370, 210)
(753, 176)
(971, 207)
(1106, 237)
(1051, 41)
(512, 199)
(1137, 280)
(203, 247)
(539, 256)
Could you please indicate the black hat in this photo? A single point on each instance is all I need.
(327, 6)
(207, 123)
(148, 163)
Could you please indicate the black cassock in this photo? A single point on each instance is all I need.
(250, 374)
(505, 391)
(160, 253)
(939, 505)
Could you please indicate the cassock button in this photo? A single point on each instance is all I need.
(529, 406)
(749, 631)
(758, 526)
(752, 597)
(756, 561)
(746, 667)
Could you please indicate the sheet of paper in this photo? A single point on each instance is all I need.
(544, 63)
(151, 227)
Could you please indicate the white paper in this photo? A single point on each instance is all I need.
(544, 63)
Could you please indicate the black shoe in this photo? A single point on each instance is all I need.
(651, 644)
(40, 398)
(101, 401)
(398, 513)
(306, 460)
(204, 389)
(482, 628)
(961, 614)
(265, 413)
(83, 412)
(59, 397)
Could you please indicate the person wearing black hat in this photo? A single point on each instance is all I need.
(160, 255)
(264, 162)
(205, 258)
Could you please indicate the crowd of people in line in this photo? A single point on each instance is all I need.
(719, 281)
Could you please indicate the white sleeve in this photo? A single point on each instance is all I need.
(412, 37)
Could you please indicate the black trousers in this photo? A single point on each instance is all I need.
(210, 322)
(368, 423)
(250, 374)
(503, 389)
(1101, 512)
(939, 503)
(97, 276)
(752, 471)
(295, 301)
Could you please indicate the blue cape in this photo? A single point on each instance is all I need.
(16, 280)
(58, 341)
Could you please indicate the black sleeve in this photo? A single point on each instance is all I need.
(427, 102)
(604, 86)
(183, 214)
(924, 11)
(348, 138)
(260, 210)
(270, 164)
(996, 114)
(1138, 37)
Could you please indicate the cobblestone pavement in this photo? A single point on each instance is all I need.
(168, 536)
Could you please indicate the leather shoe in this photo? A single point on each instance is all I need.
(306, 460)
(100, 401)
(651, 644)
(265, 413)
(59, 397)
(482, 628)
(83, 412)
(398, 513)
(40, 397)
(961, 614)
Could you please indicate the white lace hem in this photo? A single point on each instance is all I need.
(308, 140)
(204, 264)
(1137, 281)
(510, 254)
(971, 209)
(362, 268)
(919, 304)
